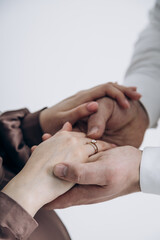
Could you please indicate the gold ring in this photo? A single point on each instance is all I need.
(94, 145)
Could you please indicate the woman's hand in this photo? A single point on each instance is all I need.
(82, 105)
(36, 185)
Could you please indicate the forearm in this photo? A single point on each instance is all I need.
(20, 190)
(15, 222)
(144, 70)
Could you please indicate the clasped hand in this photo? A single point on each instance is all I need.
(114, 172)
(101, 175)
(36, 184)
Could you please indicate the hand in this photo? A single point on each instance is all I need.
(81, 105)
(36, 185)
(115, 124)
(110, 174)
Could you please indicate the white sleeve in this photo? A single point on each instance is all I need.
(150, 170)
(144, 70)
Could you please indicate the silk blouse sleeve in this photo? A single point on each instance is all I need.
(15, 222)
(19, 130)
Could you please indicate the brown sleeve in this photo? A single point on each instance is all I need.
(19, 130)
(15, 222)
(31, 129)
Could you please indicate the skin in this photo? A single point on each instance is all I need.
(36, 185)
(108, 175)
(121, 127)
(115, 124)
(83, 104)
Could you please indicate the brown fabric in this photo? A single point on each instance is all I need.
(31, 129)
(50, 227)
(12, 213)
(16, 132)
(15, 151)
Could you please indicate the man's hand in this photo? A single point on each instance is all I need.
(117, 125)
(109, 174)
(83, 105)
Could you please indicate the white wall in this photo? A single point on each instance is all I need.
(50, 49)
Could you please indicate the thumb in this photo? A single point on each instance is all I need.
(82, 111)
(97, 121)
(83, 173)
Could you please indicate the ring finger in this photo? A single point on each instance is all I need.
(94, 146)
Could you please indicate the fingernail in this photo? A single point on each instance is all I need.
(93, 130)
(60, 170)
(92, 106)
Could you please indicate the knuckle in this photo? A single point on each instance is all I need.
(79, 155)
(65, 135)
(76, 174)
(80, 112)
(72, 140)
(119, 95)
(110, 83)
(102, 145)
(108, 86)
(80, 176)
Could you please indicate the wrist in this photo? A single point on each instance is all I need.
(47, 120)
(140, 122)
(43, 119)
(136, 171)
(22, 196)
(145, 114)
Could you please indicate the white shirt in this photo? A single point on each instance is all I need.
(144, 72)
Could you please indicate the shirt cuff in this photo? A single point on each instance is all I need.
(150, 170)
(31, 129)
(14, 218)
(149, 89)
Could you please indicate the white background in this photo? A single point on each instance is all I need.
(50, 49)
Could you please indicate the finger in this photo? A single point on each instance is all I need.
(84, 173)
(46, 136)
(67, 127)
(80, 112)
(109, 89)
(91, 94)
(132, 94)
(33, 148)
(129, 92)
(115, 93)
(97, 121)
(133, 88)
(97, 146)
